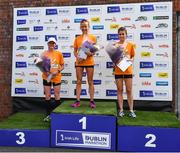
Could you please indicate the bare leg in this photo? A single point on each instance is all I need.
(119, 84)
(128, 83)
(79, 73)
(90, 73)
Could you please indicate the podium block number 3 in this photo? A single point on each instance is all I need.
(21, 138)
(150, 142)
(83, 121)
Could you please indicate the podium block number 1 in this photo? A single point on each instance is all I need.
(150, 142)
(83, 121)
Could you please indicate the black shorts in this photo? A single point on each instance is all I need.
(122, 76)
(91, 66)
(45, 83)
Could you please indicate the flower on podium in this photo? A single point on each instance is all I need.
(87, 48)
(118, 55)
(44, 64)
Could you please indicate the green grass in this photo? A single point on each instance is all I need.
(102, 108)
(25, 120)
(151, 118)
(30, 120)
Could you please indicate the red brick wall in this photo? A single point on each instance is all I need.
(6, 36)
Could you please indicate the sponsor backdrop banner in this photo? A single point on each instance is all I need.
(149, 26)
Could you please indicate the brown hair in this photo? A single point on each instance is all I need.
(84, 20)
(122, 29)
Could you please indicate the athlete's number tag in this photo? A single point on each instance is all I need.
(21, 138)
(151, 138)
(83, 121)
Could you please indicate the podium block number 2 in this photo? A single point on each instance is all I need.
(83, 121)
(150, 142)
(21, 138)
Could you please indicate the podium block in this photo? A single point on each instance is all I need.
(148, 139)
(25, 138)
(83, 131)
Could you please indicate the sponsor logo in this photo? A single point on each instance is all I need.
(162, 8)
(19, 55)
(67, 28)
(66, 20)
(97, 82)
(130, 26)
(146, 93)
(165, 54)
(141, 18)
(64, 38)
(161, 36)
(21, 64)
(161, 83)
(34, 21)
(22, 12)
(146, 83)
(38, 28)
(145, 75)
(64, 11)
(32, 55)
(162, 75)
(150, 46)
(113, 19)
(112, 37)
(161, 65)
(78, 20)
(32, 91)
(48, 36)
(31, 65)
(113, 9)
(126, 19)
(84, 74)
(145, 54)
(51, 12)
(83, 92)
(146, 65)
(36, 47)
(82, 10)
(19, 81)
(33, 74)
(161, 94)
(23, 29)
(95, 11)
(21, 48)
(145, 8)
(130, 37)
(75, 82)
(34, 12)
(66, 74)
(160, 17)
(109, 64)
(162, 25)
(66, 55)
(64, 92)
(52, 28)
(146, 36)
(98, 27)
(34, 81)
(21, 38)
(114, 26)
(20, 90)
(34, 38)
(146, 26)
(95, 19)
(20, 73)
(19, 22)
(50, 21)
(163, 46)
(129, 9)
(111, 92)
(64, 82)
